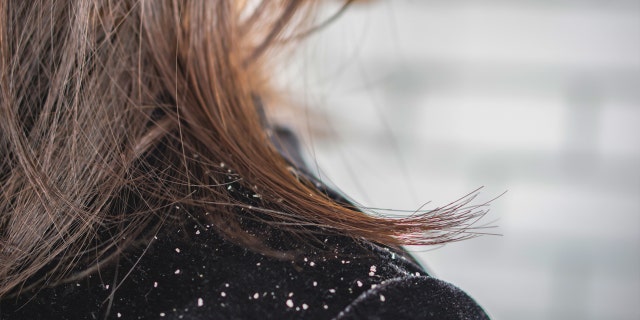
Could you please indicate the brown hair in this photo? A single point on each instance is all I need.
(113, 111)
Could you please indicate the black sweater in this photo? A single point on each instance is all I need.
(190, 272)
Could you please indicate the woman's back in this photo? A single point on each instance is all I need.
(139, 176)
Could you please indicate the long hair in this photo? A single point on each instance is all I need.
(114, 112)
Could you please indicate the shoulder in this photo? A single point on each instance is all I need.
(204, 276)
(420, 297)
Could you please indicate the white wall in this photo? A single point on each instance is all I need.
(428, 100)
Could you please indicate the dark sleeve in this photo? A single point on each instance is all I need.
(413, 298)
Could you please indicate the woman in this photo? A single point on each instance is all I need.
(140, 181)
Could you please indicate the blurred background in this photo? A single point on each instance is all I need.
(427, 100)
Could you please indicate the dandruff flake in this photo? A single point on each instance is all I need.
(289, 303)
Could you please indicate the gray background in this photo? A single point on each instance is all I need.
(415, 101)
